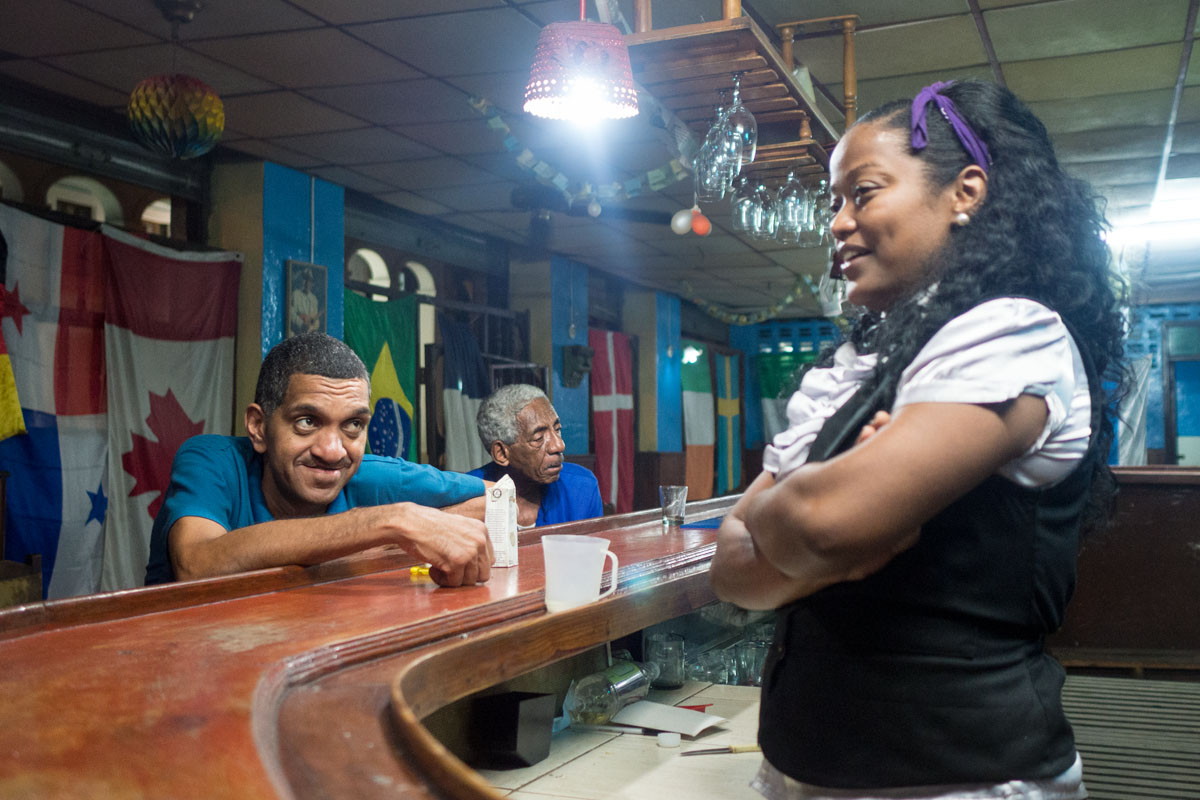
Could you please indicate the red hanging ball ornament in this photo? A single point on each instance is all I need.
(701, 225)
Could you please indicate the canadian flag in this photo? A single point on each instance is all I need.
(170, 321)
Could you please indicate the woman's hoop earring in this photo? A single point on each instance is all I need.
(961, 219)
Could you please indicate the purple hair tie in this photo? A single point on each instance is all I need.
(971, 142)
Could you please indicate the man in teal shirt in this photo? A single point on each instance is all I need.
(300, 490)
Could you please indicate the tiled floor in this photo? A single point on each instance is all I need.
(603, 765)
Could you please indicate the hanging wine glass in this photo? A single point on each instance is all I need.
(742, 205)
(822, 213)
(791, 204)
(764, 215)
(742, 121)
(728, 142)
(707, 176)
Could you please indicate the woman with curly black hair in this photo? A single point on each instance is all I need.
(918, 522)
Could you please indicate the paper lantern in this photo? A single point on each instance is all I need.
(581, 71)
(176, 115)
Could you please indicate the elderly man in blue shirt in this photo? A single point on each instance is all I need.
(522, 433)
(299, 489)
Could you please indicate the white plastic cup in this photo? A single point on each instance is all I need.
(574, 566)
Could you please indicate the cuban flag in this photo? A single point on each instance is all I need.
(170, 322)
(384, 336)
(464, 386)
(53, 328)
(612, 417)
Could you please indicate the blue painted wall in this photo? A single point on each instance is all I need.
(303, 219)
(569, 291)
(670, 386)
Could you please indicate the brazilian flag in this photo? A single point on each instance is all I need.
(384, 336)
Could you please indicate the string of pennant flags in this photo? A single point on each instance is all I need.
(549, 175)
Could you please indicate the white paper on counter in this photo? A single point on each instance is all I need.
(659, 717)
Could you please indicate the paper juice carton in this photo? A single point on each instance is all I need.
(500, 516)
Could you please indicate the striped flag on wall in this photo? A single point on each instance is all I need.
(699, 428)
(612, 417)
(464, 387)
(729, 422)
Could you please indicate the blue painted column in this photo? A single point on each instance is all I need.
(302, 219)
(669, 408)
(745, 338)
(569, 315)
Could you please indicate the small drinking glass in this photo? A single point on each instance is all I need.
(673, 499)
(667, 651)
(750, 658)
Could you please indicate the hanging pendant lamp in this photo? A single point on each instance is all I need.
(176, 115)
(581, 72)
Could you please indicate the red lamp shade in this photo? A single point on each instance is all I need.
(581, 71)
(176, 115)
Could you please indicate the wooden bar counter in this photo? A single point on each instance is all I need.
(303, 683)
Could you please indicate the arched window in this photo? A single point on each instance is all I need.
(85, 197)
(367, 266)
(156, 218)
(10, 186)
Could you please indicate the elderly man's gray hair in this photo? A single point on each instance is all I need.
(497, 417)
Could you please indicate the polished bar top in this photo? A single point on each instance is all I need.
(303, 682)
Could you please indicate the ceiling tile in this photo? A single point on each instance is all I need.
(429, 173)
(1112, 143)
(869, 13)
(343, 12)
(509, 220)
(874, 93)
(48, 27)
(271, 152)
(216, 18)
(1138, 69)
(361, 146)
(899, 50)
(1184, 165)
(282, 113)
(124, 69)
(477, 197)
(474, 223)
(288, 59)
(458, 138)
(351, 179)
(55, 80)
(1069, 115)
(418, 101)
(435, 44)
(501, 165)
(1047, 30)
(504, 90)
(412, 202)
(1115, 173)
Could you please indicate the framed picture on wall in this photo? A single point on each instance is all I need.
(306, 297)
